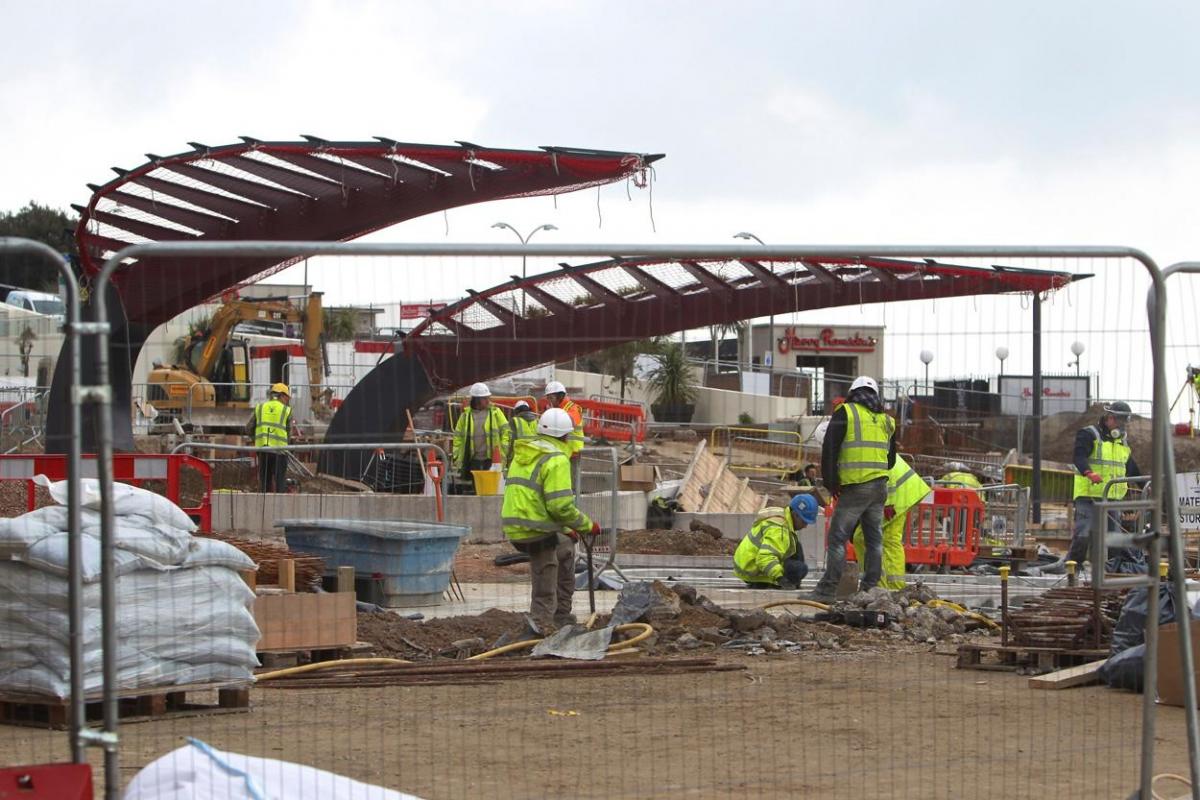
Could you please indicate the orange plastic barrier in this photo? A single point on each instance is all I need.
(943, 534)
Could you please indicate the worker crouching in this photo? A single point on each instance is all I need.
(770, 555)
(539, 505)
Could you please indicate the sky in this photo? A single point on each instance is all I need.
(802, 122)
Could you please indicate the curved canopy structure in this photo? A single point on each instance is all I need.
(577, 310)
(314, 189)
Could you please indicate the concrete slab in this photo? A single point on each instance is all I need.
(258, 512)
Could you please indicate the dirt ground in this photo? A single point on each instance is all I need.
(812, 725)
(686, 543)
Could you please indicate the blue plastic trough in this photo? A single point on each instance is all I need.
(412, 558)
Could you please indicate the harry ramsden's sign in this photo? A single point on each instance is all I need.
(826, 341)
(1047, 392)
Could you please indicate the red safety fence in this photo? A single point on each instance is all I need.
(131, 468)
(613, 422)
(943, 533)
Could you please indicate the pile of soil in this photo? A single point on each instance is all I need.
(680, 543)
(397, 637)
(14, 500)
(242, 476)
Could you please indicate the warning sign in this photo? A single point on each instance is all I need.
(1187, 484)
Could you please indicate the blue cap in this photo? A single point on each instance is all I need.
(804, 506)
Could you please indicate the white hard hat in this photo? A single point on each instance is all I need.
(521, 405)
(555, 422)
(480, 390)
(865, 382)
(818, 433)
(554, 387)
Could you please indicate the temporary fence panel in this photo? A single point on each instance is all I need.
(777, 453)
(398, 744)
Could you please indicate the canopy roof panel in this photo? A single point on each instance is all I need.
(306, 190)
(577, 310)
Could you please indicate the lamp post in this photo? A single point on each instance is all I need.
(1002, 354)
(926, 359)
(525, 240)
(1077, 349)
(771, 319)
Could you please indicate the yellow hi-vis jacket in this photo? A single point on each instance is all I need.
(523, 425)
(1107, 459)
(538, 498)
(495, 427)
(864, 453)
(760, 555)
(960, 480)
(271, 419)
(905, 489)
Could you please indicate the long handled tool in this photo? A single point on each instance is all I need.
(587, 548)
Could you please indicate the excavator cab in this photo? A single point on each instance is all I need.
(231, 375)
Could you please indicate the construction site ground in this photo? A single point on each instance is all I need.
(880, 725)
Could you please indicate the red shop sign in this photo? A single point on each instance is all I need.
(826, 341)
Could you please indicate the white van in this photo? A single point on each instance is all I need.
(38, 302)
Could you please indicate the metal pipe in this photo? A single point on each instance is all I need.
(297, 448)
(1035, 494)
(14, 246)
(1004, 605)
(1166, 495)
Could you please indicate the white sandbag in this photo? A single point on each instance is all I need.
(197, 771)
(24, 585)
(131, 653)
(126, 499)
(206, 552)
(160, 544)
(50, 554)
(18, 533)
(58, 517)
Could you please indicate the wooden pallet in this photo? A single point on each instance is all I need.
(279, 659)
(134, 705)
(1017, 657)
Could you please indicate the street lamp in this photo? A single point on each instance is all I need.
(771, 319)
(926, 359)
(525, 240)
(1077, 349)
(1002, 354)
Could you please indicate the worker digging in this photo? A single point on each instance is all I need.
(540, 517)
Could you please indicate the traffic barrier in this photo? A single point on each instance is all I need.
(943, 532)
(131, 468)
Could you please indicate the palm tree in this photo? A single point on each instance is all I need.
(620, 360)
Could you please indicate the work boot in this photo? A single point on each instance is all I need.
(818, 596)
(562, 620)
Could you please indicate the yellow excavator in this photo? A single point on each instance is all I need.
(212, 387)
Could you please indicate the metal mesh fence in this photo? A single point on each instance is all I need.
(374, 619)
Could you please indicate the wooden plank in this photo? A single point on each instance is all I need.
(345, 579)
(707, 505)
(687, 487)
(287, 574)
(1081, 675)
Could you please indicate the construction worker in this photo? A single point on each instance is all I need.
(770, 555)
(1102, 453)
(272, 426)
(479, 434)
(539, 505)
(522, 425)
(556, 397)
(858, 451)
(959, 476)
(905, 490)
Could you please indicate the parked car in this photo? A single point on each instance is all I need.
(38, 302)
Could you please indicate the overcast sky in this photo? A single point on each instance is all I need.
(804, 122)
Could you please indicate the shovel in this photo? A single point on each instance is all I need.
(587, 549)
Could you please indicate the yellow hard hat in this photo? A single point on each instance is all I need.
(280, 388)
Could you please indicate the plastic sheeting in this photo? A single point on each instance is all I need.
(197, 771)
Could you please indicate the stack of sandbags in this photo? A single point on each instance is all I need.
(183, 613)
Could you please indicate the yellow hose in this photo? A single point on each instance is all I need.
(645, 631)
(991, 623)
(812, 603)
(280, 673)
(932, 603)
